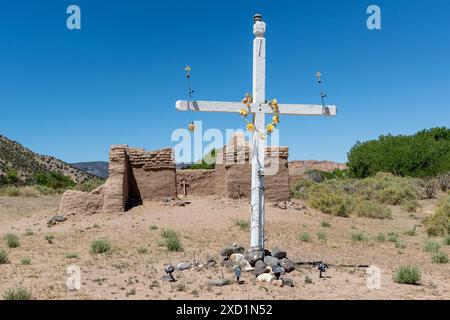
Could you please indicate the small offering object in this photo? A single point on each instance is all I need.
(322, 268)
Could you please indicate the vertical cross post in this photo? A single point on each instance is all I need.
(258, 143)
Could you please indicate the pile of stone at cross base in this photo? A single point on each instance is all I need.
(272, 268)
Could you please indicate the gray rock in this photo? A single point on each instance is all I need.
(183, 266)
(271, 261)
(59, 218)
(287, 264)
(211, 263)
(260, 268)
(219, 282)
(278, 253)
(229, 250)
(288, 282)
(253, 256)
(277, 271)
(167, 278)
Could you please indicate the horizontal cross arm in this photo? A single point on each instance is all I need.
(292, 109)
(306, 109)
(209, 106)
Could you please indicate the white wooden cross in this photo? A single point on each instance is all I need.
(258, 108)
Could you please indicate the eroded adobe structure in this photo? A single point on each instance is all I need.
(136, 176)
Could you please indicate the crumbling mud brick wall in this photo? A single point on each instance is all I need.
(135, 175)
(236, 172)
(198, 182)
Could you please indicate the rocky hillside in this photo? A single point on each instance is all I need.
(14, 156)
(297, 168)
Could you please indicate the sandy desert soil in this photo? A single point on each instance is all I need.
(205, 226)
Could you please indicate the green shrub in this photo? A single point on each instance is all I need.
(305, 237)
(49, 238)
(446, 241)
(393, 237)
(407, 275)
(10, 191)
(54, 180)
(308, 280)
(71, 256)
(380, 237)
(400, 244)
(89, 185)
(25, 261)
(243, 224)
(328, 199)
(322, 236)
(44, 190)
(411, 232)
(301, 189)
(431, 246)
(100, 246)
(397, 194)
(411, 205)
(153, 227)
(208, 162)
(439, 223)
(12, 240)
(142, 250)
(358, 237)
(29, 232)
(3, 257)
(171, 240)
(370, 209)
(17, 294)
(325, 224)
(440, 257)
(426, 153)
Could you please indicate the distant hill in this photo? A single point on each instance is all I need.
(97, 168)
(16, 157)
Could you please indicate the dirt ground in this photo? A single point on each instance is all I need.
(205, 226)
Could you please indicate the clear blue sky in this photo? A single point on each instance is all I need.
(71, 94)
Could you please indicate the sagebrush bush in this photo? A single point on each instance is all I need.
(322, 236)
(325, 224)
(100, 246)
(17, 294)
(370, 209)
(89, 185)
(408, 274)
(301, 188)
(439, 223)
(3, 257)
(358, 237)
(411, 205)
(393, 237)
(10, 191)
(305, 237)
(171, 240)
(12, 240)
(431, 246)
(440, 257)
(328, 199)
(243, 224)
(446, 241)
(380, 237)
(25, 261)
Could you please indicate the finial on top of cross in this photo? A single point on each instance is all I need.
(259, 27)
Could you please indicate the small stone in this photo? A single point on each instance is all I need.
(278, 253)
(287, 264)
(237, 258)
(229, 250)
(260, 268)
(59, 218)
(183, 266)
(211, 263)
(253, 256)
(277, 271)
(271, 261)
(278, 283)
(167, 278)
(266, 277)
(280, 205)
(244, 265)
(288, 282)
(219, 282)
